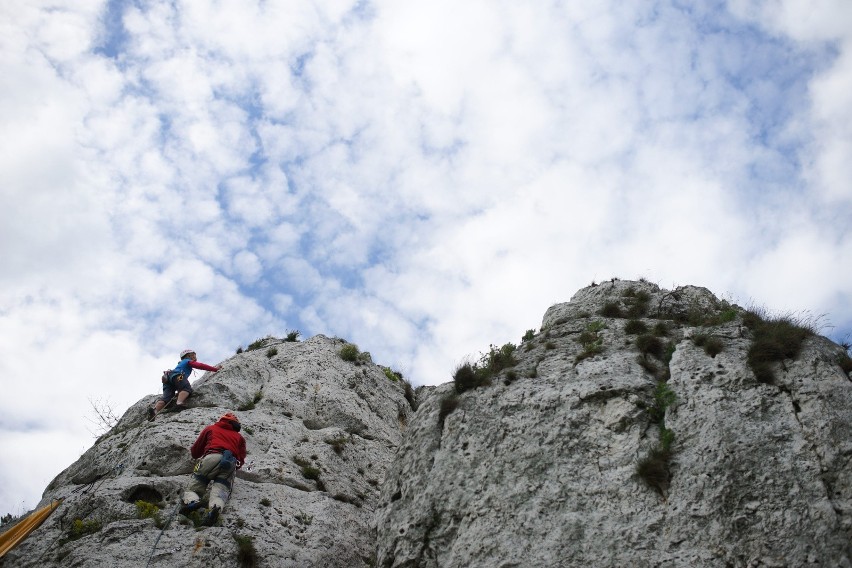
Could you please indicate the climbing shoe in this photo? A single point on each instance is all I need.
(179, 407)
(188, 508)
(151, 413)
(211, 517)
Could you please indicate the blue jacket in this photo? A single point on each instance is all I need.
(184, 368)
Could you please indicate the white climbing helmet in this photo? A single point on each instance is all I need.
(186, 352)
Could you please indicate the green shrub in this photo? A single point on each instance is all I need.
(271, 352)
(669, 351)
(611, 310)
(349, 352)
(650, 345)
(146, 510)
(635, 326)
(591, 349)
(448, 404)
(391, 375)
(845, 362)
(666, 439)
(638, 304)
(655, 470)
(549, 345)
(470, 376)
(664, 397)
(246, 553)
(591, 341)
(648, 365)
(409, 394)
(774, 341)
(239, 349)
(265, 502)
(337, 444)
(498, 359)
(465, 378)
(311, 472)
(300, 461)
(712, 345)
(80, 528)
(529, 335)
(660, 329)
(726, 315)
(293, 335)
(257, 343)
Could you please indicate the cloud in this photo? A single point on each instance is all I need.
(421, 179)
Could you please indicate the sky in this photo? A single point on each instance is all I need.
(420, 178)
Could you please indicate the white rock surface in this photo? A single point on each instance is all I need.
(309, 395)
(537, 469)
(541, 470)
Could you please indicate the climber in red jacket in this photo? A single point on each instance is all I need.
(220, 450)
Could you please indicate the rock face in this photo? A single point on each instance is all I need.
(298, 402)
(640, 427)
(539, 468)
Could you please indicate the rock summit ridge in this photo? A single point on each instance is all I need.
(637, 427)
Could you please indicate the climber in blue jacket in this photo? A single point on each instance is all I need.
(177, 381)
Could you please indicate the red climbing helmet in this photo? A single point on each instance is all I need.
(230, 416)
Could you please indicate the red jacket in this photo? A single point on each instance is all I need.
(217, 438)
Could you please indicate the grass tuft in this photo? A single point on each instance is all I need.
(591, 340)
(337, 444)
(611, 309)
(349, 352)
(246, 553)
(448, 404)
(655, 470)
(293, 335)
(650, 345)
(775, 339)
(635, 327)
(80, 528)
(712, 345)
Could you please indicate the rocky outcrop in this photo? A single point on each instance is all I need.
(639, 427)
(539, 467)
(321, 433)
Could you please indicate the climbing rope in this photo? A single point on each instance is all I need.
(86, 487)
(165, 526)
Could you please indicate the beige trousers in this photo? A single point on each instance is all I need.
(207, 472)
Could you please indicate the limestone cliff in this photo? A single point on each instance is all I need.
(320, 432)
(539, 467)
(638, 427)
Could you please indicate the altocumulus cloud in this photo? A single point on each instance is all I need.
(421, 178)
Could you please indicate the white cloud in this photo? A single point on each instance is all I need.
(247, 266)
(421, 179)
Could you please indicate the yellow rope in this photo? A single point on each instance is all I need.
(13, 537)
